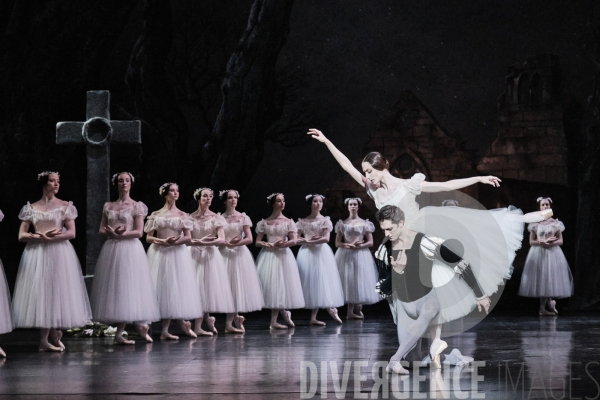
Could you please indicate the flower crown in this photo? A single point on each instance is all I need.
(222, 192)
(308, 196)
(269, 197)
(164, 186)
(46, 173)
(197, 192)
(539, 199)
(114, 177)
(358, 200)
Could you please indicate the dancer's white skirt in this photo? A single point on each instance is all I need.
(320, 278)
(358, 274)
(279, 279)
(5, 319)
(213, 280)
(546, 274)
(243, 278)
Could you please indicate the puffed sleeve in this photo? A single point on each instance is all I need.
(1, 216)
(532, 227)
(246, 220)
(299, 225)
(415, 183)
(140, 209)
(26, 212)
(369, 227)
(220, 221)
(327, 224)
(150, 224)
(292, 226)
(560, 226)
(339, 227)
(70, 212)
(187, 222)
(260, 227)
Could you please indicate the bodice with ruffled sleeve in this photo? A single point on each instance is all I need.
(166, 227)
(355, 231)
(235, 226)
(545, 230)
(124, 216)
(207, 227)
(44, 221)
(1, 216)
(403, 197)
(276, 232)
(312, 228)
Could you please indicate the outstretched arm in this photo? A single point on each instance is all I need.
(432, 187)
(339, 156)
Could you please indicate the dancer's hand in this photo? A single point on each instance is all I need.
(267, 244)
(485, 303)
(35, 236)
(551, 240)
(280, 243)
(235, 240)
(208, 239)
(490, 180)
(358, 244)
(171, 240)
(120, 230)
(301, 240)
(400, 262)
(317, 134)
(53, 232)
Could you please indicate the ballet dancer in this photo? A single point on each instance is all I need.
(5, 319)
(320, 279)
(276, 265)
(50, 293)
(168, 231)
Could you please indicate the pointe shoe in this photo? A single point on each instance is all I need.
(437, 346)
(396, 367)
(545, 313)
(537, 216)
(231, 329)
(317, 323)
(57, 338)
(553, 306)
(239, 322)
(143, 332)
(353, 316)
(210, 322)
(168, 336)
(456, 358)
(50, 348)
(2, 353)
(122, 340)
(334, 314)
(277, 325)
(287, 316)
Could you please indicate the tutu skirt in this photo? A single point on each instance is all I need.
(175, 282)
(243, 278)
(212, 279)
(5, 319)
(123, 290)
(320, 279)
(546, 274)
(279, 278)
(50, 291)
(358, 275)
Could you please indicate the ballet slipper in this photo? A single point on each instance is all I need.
(121, 340)
(277, 325)
(537, 216)
(168, 336)
(287, 316)
(396, 367)
(210, 322)
(545, 313)
(353, 316)
(334, 314)
(360, 313)
(186, 327)
(436, 348)
(56, 338)
(239, 321)
(456, 358)
(231, 329)
(317, 322)
(553, 306)
(47, 347)
(2, 353)
(143, 332)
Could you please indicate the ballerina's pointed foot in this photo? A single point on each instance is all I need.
(47, 347)
(121, 340)
(2, 353)
(354, 316)
(211, 324)
(553, 306)
(202, 332)
(437, 346)
(287, 315)
(316, 322)
(545, 313)
(187, 328)
(168, 336)
(239, 322)
(57, 339)
(537, 216)
(458, 358)
(277, 325)
(334, 314)
(231, 329)
(396, 367)
(143, 332)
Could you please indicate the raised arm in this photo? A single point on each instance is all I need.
(339, 156)
(455, 184)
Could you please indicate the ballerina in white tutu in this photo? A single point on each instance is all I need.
(355, 263)
(211, 273)
(243, 277)
(123, 290)
(5, 320)
(316, 263)
(276, 265)
(546, 273)
(171, 266)
(49, 292)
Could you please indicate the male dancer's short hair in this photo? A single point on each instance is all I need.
(390, 213)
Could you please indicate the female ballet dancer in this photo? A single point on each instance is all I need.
(49, 292)
(211, 274)
(171, 266)
(320, 279)
(276, 265)
(245, 285)
(354, 260)
(546, 273)
(496, 259)
(5, 320)
(123, 290)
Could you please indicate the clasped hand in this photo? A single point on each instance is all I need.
(45, 236)
(302, 240)
(279, 244)
(354, 245)
(485, 303)
(115, 233)
(234, 241)
(208, 239)
(549, 242)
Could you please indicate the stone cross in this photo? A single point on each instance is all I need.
(97, 132)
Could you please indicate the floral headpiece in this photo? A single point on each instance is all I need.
(539, 199)
(308, 196)
(445, 202)
(46, 173)
(197, 192)
(164, 186)
(114, 177)
(269, 197)
(358, 200)
(224, 192)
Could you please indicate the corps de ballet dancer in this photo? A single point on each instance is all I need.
(123, 291)
(320, 279)
(356, 266)
(276, 265)
(5, 319)
(212, 277)
(243, 277)
(171, 266)
(50, 293)
(546, 273)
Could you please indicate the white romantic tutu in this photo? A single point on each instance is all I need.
(50, 292)
(5, 320)
(358, 275)
(319, 276)
(243, 278)
(546, 274)
(175, 282)
(212, 279)
(279, 278)
(123, 290)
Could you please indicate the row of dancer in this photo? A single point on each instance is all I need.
(216, 275)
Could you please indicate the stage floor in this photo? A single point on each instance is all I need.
(525, 357)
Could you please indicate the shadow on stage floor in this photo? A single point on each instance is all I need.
(517, 357)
